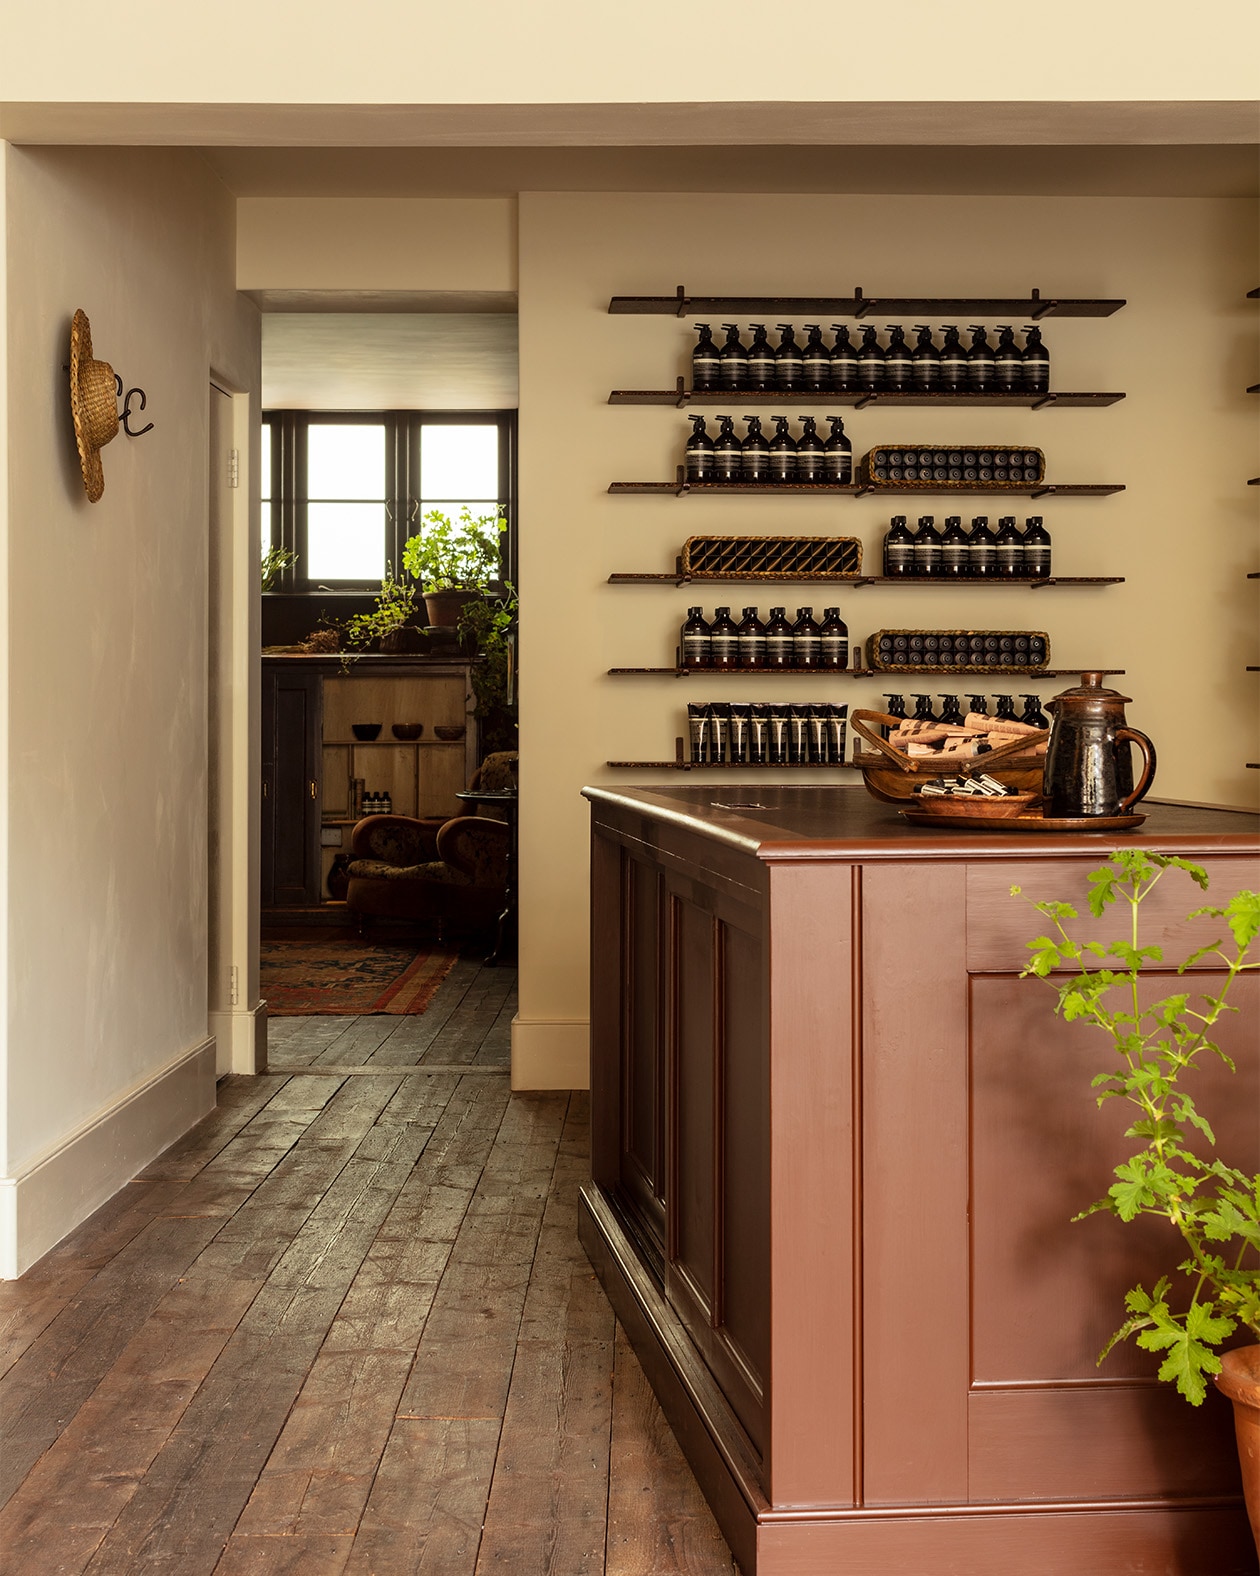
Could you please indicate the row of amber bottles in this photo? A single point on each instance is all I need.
(770, 461)
(751, 646)
(958, 554)
(872, 368)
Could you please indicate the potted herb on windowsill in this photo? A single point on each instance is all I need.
(487, 629)
(1176, 1174)
(390, 623)
(454, 561)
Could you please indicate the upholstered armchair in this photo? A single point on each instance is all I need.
(451, 874)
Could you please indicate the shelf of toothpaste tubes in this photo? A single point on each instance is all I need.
(789, 734)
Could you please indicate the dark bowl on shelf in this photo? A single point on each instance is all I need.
(407, 730)
(365, 732)
(450, 731)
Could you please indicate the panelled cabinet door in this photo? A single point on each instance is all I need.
(290, 788)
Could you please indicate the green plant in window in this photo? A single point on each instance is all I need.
(487, 628)
(395, 608)
(274, 562)
(1214, 1206)
(455, 555)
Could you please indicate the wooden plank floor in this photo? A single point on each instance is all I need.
(344, 1325)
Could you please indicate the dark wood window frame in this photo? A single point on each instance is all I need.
(288, 502)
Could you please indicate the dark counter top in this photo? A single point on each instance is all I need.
(788, 822)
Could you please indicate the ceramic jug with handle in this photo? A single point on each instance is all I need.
(1086, 773)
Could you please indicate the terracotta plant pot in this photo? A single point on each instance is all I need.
(1239, 1379)
(444, 607)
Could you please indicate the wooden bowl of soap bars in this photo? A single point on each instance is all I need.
(916, 751)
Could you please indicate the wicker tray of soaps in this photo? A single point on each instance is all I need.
(958, 650)
(894, 769)
(944, 465)
(772, 557)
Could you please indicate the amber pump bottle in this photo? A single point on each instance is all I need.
(760, 359)
(844, 361)
(705, 362)
(789, 365)
(838, 454)
(782, 452)
(815, 361)
(699, 464)
(733, 360)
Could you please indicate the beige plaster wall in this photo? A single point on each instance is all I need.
(106, 666)
(442, 245)
(1184, 534)
(398, 52)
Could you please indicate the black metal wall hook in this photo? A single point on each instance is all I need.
(126, 412)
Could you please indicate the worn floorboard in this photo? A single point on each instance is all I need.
(344, 1327)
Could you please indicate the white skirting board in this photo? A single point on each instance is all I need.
(551, 1053)
(49, 1194)
(241, 1035)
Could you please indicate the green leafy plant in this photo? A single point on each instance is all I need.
(274, 562)
(488, 628)
(1215, 1207)
(458, 554)
(395, 607)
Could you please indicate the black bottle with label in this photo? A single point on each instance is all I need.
(833, 640)
(896, 706)
(951, 712)
(782, 452)
(705, 362)
(982, 549)
(1033, 714)
(727, 453)
(778, 640)
(1006, 708)
(923, 709)
(1036, 360)
(955, 550)
(760, 359)
(1008, 363)
(838, 454)
(870, 367)
(1010, 549)
(815, 361)
(696, 651)
(898, 549)
(979, 705)
(980, 367)
(754, 453)
(733, 359)
(844, 361)
(927, 549)
(811, 464)
(751, 640)
(723, 640)
(1036, 549)
(789, 364)
(699, 463)
(953, 362)
(898, 363)
(806, 639)
(925, 371)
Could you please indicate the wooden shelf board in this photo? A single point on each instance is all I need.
(859, 673)
(738, 766)
(858, 581)
(1034, 306)
(873, 489)
(369, 744)
(967, 401)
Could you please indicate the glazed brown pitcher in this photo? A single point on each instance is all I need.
(1086, 774)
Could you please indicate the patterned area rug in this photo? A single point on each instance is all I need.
(348, 978)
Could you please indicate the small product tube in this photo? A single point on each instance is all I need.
(719, 733)
(818, 734)
(698, 732)
(737, 738)
(777, 728)
(798, 735)
(837, 727)
(759, 735)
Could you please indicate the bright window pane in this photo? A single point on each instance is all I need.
(345, 541)
(266, 460)
(345, 462)
(459, 462)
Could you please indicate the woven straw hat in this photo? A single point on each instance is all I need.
(93, 403)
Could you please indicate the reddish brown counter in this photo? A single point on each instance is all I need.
(837, 1146)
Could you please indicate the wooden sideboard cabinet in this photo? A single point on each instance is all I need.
(310, 757)
(837, 1146)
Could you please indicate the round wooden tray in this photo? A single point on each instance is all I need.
(1026, 823)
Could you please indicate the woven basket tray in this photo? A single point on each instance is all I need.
(772, 557)
(953, 465)
(881, 663)
(894, 778)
